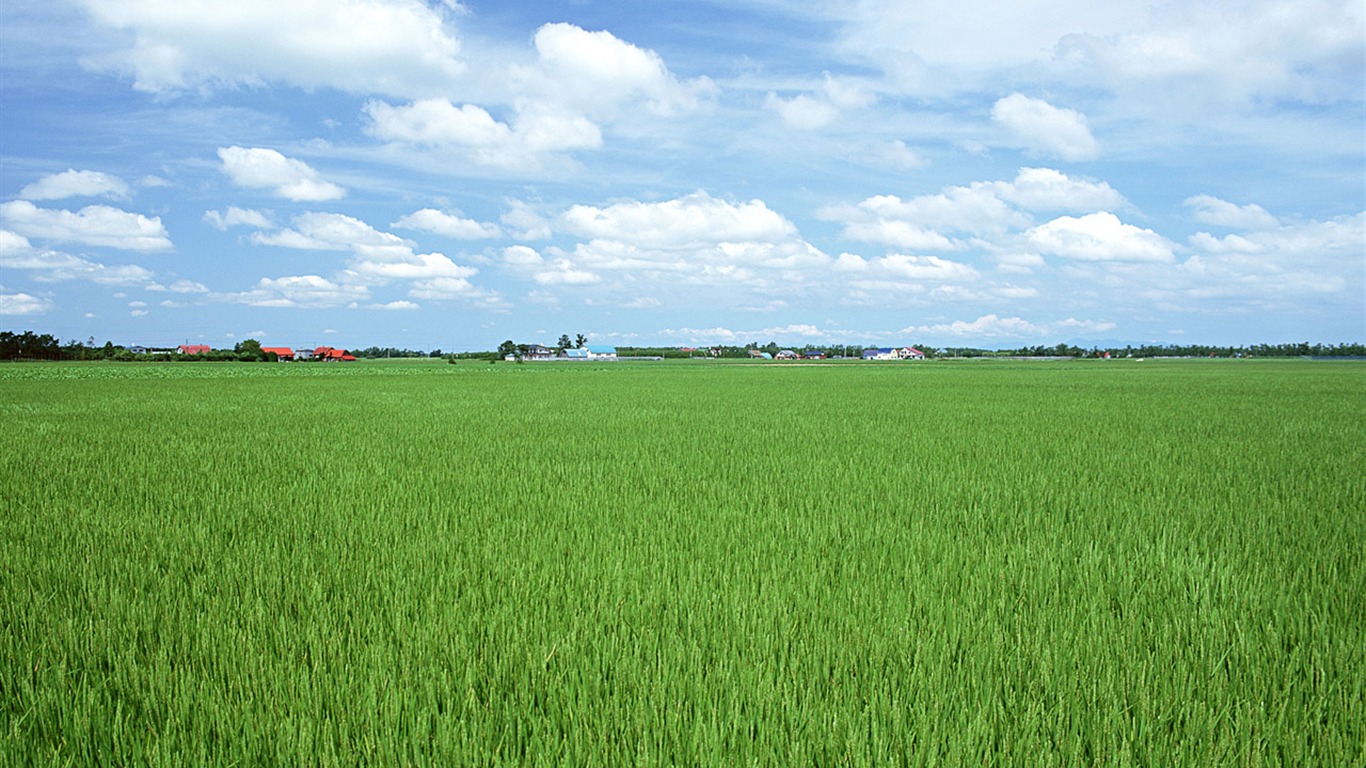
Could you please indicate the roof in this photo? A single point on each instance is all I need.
(576, 353)
(194, 349)
(279, 351)
(598, 349)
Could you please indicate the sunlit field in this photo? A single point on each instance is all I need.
(938, 563)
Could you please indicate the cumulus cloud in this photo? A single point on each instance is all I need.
(802, 112)
(188, 286)
(1046, 189)
(902, 267)
(16, 252)
(1271, 264)
(535, 133)
(92, 225)
(450, 225)
(921, 223)
(1221, 213)
(1042, 127)
(376, 257)
(399, 306)
(399, 47)
(553, 106)
(1261, 49)
(815, 110)
(73, 183)
(599, 74)
(302, 291)
(993, 327)
(237, 217)
(685, 222)
(330, 232)
(1099, 237)
(23, 304)
(258, 168)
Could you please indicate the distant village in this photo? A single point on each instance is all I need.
(28, 345)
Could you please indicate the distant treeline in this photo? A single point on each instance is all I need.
(33, 346)
(1059, 350)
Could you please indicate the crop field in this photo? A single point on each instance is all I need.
(694, 563)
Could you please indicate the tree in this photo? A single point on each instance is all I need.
(249, 349)
(507, 348)
(580, 340)
(563, 343)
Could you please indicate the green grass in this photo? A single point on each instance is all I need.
(937, 563)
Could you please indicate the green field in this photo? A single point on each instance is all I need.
(939, 563)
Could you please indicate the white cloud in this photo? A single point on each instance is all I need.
(52, 266)
(400, 306)
(1221, 213)
(897, 155)
(994, 327)
(812, 111)
(902, 267)
(330, 232)
(685, 222)
(1045, 189)
(535, 134)
(1274, 265)
(91, 225)
(399, 47)
(911, 41)
(188, 286)
(1042, 127)
(398, 264)
(23, 304)
(258, 168)
(1307, 51)
(234, 217)
(524, 222)
(455, 226)
(802, 112)
(1099, 237)
(376, 257)
(550, 107)
(302, 291)
(73, 183)
(598, 74)
(920, 222)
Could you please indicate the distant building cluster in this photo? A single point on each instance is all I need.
(589, 352)
(282, 354)
(884, 353)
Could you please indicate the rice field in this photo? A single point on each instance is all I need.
(940, 563)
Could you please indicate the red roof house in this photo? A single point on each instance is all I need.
(193, 349)
(332, 354)
(281, 353)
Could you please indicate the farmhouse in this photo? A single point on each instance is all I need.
(332, 355)
(193, 349)
(538, 352)
(786, 354)
(282, 354)
(815, 354)
(596, 352)
(893, 353)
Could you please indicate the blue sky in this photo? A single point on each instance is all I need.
(450, 175)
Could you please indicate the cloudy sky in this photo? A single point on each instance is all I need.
(438, 174)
